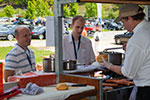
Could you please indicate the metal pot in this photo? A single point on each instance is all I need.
(114, 57)
(69, 65)
(49, 64)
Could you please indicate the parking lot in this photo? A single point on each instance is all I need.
(107, 41)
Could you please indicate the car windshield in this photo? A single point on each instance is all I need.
(36, 28)
(3, 29)
(114, 24)
(127, 33)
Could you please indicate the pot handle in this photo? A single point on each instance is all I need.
(105, 50)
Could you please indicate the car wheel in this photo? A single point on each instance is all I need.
(10, 37)
(117, 41)
(41, 36)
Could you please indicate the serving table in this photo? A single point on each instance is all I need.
(50, 93)
(94, 88)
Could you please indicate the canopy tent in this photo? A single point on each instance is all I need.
(58, 12)
(145, 2)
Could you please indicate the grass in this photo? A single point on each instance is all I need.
(89, 37)
(38, 53)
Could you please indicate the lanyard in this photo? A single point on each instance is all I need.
(74, 45)
(29, 60)
(28, 57)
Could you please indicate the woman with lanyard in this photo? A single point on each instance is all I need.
(76, 46)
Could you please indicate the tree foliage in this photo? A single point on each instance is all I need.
(9, 11)
(91, 10)
(110, 11)
(19, 11)
(73, 9)
(30, 13)
(51, 2)
(66, 11)
(42, 8)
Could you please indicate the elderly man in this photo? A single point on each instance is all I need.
(137, 57)
(20, 59)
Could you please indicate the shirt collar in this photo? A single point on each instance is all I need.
(20, 48)
(138, 26)
(70, 38)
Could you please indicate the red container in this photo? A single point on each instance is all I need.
(1, 77)
(41, 79)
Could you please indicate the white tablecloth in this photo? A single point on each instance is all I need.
(50, 93)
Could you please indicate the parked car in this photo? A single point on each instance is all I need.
(91, 29)
(68, 21)
(39, 32)
(122, 38)
(6, 34)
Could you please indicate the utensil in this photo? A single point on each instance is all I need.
(73, 85)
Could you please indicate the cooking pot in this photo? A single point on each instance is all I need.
(114, 57)
(49, 64)
(69, 64)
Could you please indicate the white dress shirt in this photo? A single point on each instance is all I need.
(85, 54)
(137, 57)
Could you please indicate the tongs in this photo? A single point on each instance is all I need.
(10, 93)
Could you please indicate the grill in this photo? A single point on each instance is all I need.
(121, 93)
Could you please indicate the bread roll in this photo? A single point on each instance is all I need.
(99, 58)
(62, 86)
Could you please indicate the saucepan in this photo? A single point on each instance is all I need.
(69, 64)
(49, 64)
(113, 57)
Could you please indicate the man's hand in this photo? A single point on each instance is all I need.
(106, 64)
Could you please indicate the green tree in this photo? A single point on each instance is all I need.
(73, 9)
(110, 11)
(91, 10)
(42, 8)
(23, 3)
(1, 1)
(19, 11)
(2, 13)
(30, 13)
(66, 11)
(9, 11)
(51, 2)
